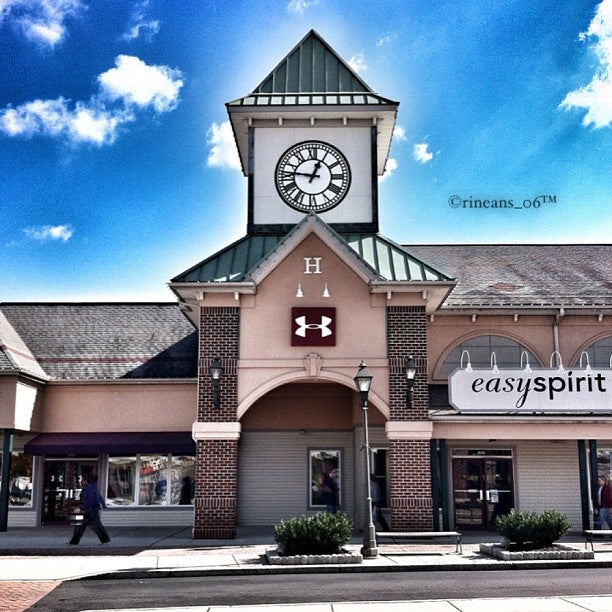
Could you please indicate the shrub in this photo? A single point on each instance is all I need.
(320, 534)
(529, 530)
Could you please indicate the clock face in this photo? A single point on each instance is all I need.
(313, 176)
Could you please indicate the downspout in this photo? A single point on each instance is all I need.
(556, 329)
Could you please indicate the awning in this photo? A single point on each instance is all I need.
(128, 443)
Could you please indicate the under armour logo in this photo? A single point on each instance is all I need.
(313, 326)
(323, 326)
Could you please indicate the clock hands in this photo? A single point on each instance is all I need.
(311, 175)
(314, 172)
(307, 174)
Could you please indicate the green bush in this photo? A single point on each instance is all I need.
(529, 530)
(320, 534)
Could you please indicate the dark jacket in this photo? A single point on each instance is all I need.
(606, 497)
(91, 498)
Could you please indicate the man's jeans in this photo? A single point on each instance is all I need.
(91, 518)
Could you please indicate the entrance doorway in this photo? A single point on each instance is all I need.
(483, 489)
(62, 487)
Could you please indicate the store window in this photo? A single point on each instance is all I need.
(325, 477)
(507, 353)
(20, 480)
(151, 480)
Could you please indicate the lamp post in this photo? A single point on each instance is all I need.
(410, 370)
(215, 370)
(363, 380)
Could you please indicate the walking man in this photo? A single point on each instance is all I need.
(91, 503)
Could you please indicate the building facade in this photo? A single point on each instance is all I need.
(230, 406)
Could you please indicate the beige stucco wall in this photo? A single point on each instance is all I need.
(119, 406)
(268, 360)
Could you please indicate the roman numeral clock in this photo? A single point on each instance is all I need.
(313, 176)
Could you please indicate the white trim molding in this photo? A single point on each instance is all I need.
(409, 430)
(216, 431)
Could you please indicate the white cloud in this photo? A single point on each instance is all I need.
(132, 85)
(357, 63)
(44, 233)
(223, 152)
(596, 97)
(140, 24)
(41, 21)
(421, 153)
(399, 133)
(300, 6)
(390, 168)
(138, 84)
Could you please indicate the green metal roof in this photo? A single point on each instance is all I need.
(312, 74)
(387, 259)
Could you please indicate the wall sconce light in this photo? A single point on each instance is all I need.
(215, 370)
(557, 355)
(468, 367)
(525, 364)
(587, 370)
(410, 371)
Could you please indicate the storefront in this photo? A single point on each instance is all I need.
(233, 406)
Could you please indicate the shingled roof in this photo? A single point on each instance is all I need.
(104, 340)
(524, 275)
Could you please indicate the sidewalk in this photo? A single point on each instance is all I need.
(42, 554)
(34, 553)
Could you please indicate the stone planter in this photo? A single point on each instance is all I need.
(346, 557)
(555, 552)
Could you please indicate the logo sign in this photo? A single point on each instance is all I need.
(539, 391)
(313, 327)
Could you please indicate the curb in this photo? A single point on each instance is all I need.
(145, 574)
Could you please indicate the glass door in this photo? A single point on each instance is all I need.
(482, 490)
(62, 487)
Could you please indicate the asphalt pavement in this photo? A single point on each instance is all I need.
(43, 555)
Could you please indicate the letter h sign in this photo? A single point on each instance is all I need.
(313, 327)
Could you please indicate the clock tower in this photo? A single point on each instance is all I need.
(312, 137)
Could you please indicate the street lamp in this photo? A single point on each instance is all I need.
(363, 380)
(215, 370)
(410, 370)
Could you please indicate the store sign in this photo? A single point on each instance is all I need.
(313, 327)
(520, 391)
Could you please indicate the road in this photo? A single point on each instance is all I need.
(295, 588)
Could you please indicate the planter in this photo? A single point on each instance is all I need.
(555, 552)
(275, 559)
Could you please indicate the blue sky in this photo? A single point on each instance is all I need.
(117, 164)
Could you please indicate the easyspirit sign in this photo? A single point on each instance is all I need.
(525, 391)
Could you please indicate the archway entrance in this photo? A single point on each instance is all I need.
(290, 438)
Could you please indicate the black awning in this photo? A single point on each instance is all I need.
(130, 443)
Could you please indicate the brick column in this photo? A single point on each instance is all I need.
(217, 431)
(409, 428)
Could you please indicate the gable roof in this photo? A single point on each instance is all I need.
(380, 258)
(381, 264)
(311, 68)
(524, 275)
(15, 356)
(313, 81)
(73, 341)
